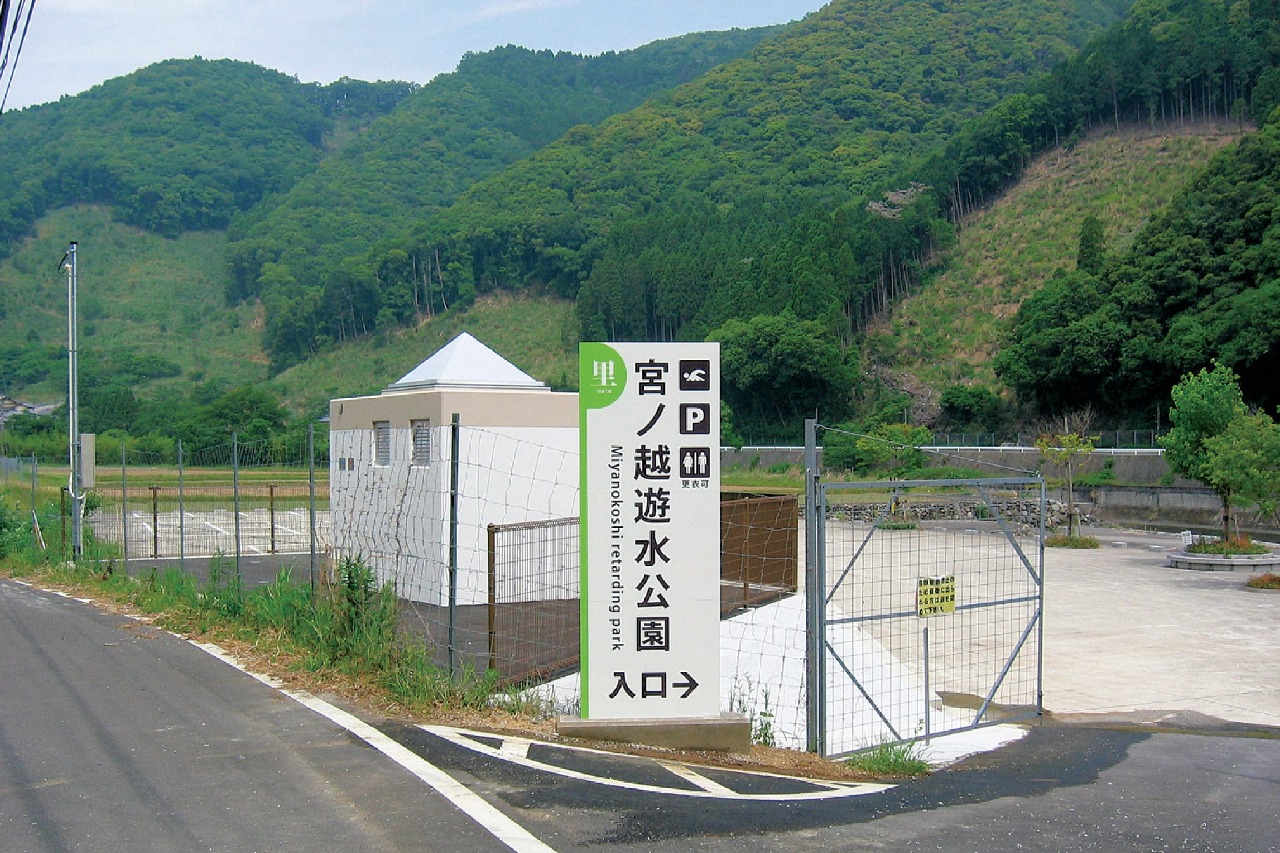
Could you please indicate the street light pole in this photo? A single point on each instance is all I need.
(73, 403)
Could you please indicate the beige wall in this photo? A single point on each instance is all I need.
(475, 407)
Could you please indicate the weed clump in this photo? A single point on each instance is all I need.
(1061, 540)
(893, 760)
(1270, 580)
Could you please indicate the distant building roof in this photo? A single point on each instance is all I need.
(464, 362)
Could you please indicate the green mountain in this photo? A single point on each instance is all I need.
(647, 218)
(781, 202)
(178, 146)
(946, 333)
(307, 252)
(1200, 283)
(300, 173)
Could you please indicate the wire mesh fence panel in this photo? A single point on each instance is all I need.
(417, 509)
(224, 502)
(533, 607)
(933, 604)
(16, 470)
(759, 550)
(477, 530)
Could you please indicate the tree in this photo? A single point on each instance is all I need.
(840, 448)
(778, 369)
(970, 408)
(1206, 443)
(1062, 449)
(896, 447)
(1091, 256)
(1244, 460)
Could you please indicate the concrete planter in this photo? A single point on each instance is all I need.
(1253, 563)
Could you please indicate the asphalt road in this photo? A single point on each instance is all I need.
(1059, 789)
(115, 736)
(118, 736)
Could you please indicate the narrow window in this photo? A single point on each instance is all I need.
(382, 443)
(421, 443)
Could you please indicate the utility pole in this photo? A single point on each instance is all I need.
(69, 263)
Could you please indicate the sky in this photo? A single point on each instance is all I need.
(72, 45)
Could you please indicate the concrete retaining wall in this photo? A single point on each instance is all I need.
(1181, 503)
(1174, 506)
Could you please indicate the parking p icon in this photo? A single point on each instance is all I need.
(695, 418)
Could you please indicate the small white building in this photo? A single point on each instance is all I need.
(391, 465)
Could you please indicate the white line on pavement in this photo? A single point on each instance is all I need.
(464, 799)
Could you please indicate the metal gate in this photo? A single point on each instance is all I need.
(928, 598)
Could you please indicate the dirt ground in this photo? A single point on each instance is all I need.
(374, 706)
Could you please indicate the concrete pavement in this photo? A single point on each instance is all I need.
(1129, 639)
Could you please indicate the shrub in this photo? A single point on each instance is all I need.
(1270, 580)
(1064, 541)
(1228, 547)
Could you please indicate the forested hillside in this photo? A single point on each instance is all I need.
(306, 175)
(178, 146)
(716, 200)
(947, 332)
(779, 203)
(1201, 282)
(307, 252)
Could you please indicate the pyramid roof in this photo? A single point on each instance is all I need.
(464, 362)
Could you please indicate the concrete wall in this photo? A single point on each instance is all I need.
(1195, 508)
(517, 459)
(1145, 499)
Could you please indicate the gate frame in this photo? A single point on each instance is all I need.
(816, 597)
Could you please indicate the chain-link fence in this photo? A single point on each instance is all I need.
(476, 529)
(260, 506)
(534, 574)
(1102, 439)
(932, 607)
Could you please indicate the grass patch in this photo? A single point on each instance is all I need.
(897, 525)
(1237, 545)
(748, 478)
(348, 630)
(1270, 580)
(1062, 540)
(891, 760)
(948, 330)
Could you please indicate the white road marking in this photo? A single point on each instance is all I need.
(515, 747)
(690, 775)
(464, 799)
(708, 789)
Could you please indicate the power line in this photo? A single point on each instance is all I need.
(7, 39)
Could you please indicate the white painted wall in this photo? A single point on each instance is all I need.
(396, 516)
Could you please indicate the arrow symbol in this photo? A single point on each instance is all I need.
(691, 684)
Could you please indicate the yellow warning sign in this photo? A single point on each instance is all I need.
(936, 595)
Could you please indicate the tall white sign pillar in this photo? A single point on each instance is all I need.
(650, 486)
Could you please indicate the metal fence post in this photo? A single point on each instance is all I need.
(928, 720)
(454, 444)
(36, 535)
(235, 496)
(1044, 501)
(493, 595)
(182, 516)
(155, 522)
(124, 504)
(815, 604)
(271, 514)
(311, 499)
